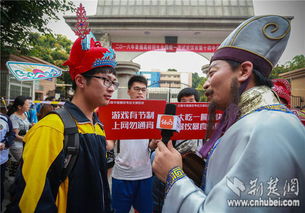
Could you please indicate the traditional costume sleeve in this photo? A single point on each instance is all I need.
(270, 153)
(42, 150)
(182, 192)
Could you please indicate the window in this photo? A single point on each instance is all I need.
(14, 91)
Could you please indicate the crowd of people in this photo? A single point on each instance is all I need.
(16, 120)
(256, 151)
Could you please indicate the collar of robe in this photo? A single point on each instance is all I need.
(255, 98)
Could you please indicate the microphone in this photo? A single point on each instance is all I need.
(168, 123)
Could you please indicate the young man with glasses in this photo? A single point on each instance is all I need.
(132, 172)
(39, 187)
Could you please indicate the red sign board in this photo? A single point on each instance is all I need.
(137, 119)
(144, 47)
(131, 119)
(194, 118)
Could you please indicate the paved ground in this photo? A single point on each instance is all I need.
(7, 182)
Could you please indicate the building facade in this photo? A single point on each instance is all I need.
(153, 78)
(166, 85)
(297, 82)
(167, 22)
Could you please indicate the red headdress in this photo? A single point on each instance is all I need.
(282, 89)
(86, 52)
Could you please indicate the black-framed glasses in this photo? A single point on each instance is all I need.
(107, 83)
(138, 89)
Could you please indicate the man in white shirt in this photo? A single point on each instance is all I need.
(132, 172)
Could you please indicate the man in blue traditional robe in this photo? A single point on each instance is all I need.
(256, 154)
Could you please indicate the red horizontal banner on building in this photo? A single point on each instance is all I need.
(143, 47)
(137, 119)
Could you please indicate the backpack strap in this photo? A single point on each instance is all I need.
(71, 141)
(10, 134)
(4, 118)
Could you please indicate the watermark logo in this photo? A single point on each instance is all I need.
(273, 192)
(237, 186)
(263, 202)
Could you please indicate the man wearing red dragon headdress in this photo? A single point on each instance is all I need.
(39, 186)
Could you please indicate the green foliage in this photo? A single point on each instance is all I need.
(196, 80)
(197, 83)
(53, 49)
(296, 63)
(20, 18)
(201, 91)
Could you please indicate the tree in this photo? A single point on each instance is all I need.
(53, 49)
(197, 83)
(196, 79)
(201, 91)
(296, 63)
(20, 18)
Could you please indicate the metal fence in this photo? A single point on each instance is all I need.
(296, 101)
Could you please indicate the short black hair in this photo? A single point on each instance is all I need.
(93, 71)
(188, 92)
(137, 78)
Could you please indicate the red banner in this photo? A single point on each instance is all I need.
(194, 118)
(144, 47)
(137, 119)
(131, 119)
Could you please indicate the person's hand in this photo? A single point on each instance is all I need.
(153, 143)
(166, 158)
(110, 144)
(2, 146)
